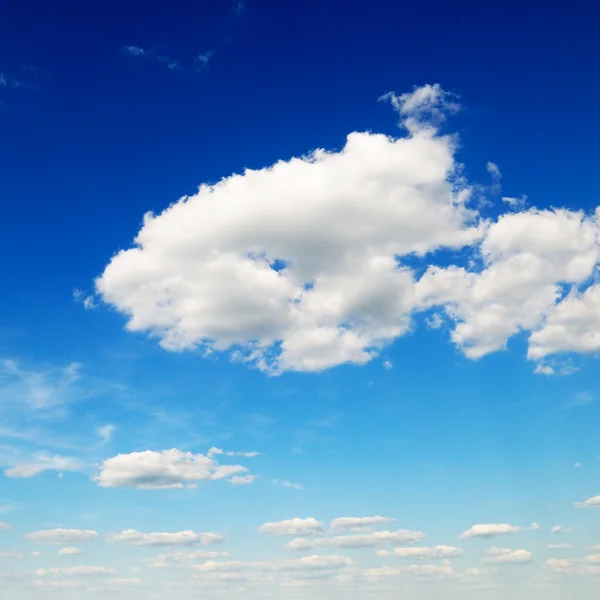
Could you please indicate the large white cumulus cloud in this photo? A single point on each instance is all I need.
(299, 266)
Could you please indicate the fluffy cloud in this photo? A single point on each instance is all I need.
(489, 531)
(306, 563)
(293, 526)
(364, 540)
(217, 451)
(353, 522)
(158, 470)
(443, 552)
(61, 536)
(75, 571)
(506, 555)
(184, 559)
(562, 566)
(180, 538)
(70, 551)
(301, 265)
(295, 266)
(43, 462)
(560, 529)
(589, 503)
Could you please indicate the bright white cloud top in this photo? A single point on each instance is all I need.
(179, 538)
(62, 536)
(295, 526)
(302, 265)
(489, 530)
(159, 470)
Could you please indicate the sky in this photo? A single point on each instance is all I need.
(299, 300)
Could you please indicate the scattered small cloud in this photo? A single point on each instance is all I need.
(506, 556)
(580, 399)
(239, 7)
(242, 479)
(560, 529)
(105, 433)
(60, 537)
(589, 503)
(134, 50)
(87, 300)
(563, 546)
(203, 59)
(41, 462)
(179, 538)
(353, 522)
(295, 526)
(288, 484)
(387, 364)
(577, 465)
(489, 531)
(435, 321)
(515, 203)
(70, 551)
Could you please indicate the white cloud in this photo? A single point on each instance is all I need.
(589, 503)
(180, 538)
(507, 555)
(70, 551)
(322, 281)
(203, 59)
(562, 566)
(159, 470)
(560, 529)
(5, 526)
(61, 536)
(363, 540)
(563, 546)
(134, 50)
(217, 452)
(76, 571)
(184, 559)
(43, 461)
(105, 433)
(305, 563)
(577, 465)
(242, 479)
(340, 296)
(388, 364)
(288, 484)
(593, 558)
(516, 203)
(573, 325)
(443, 552)
(352, 522)
(489, 531)
(295, 526)
(10, 555)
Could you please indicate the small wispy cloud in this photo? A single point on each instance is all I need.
(105, 433)
(173, 64)
(43, 462)
(288, 484)
(239, 7)
(580, 399)
(87, 300)
(134, 50)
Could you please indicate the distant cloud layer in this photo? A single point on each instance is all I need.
(304, 265)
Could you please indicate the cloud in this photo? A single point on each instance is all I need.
(61, 536)
(327, 280)
(159, 470)
(217, 451)
(580, 399)
(70, 551)
(560, 529)
(563, 546)
(105, 433)
(10, 555)
(76, 571)
(203, 59)
(295, 526)
(5, 526)
(180, 538)
(306, 563)
(242, 479)
(562, 566)
(293, 295)
(516, 203)
(134, 50)
(364, 540)
(443, 552)
(506, 555)
(589, 503)
(352, 522)
(184, 559)
(489, 531)
(288, 484)
(43, 462)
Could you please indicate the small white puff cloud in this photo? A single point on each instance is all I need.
(61, 536)
(295, 526)
(489, 531)
(179, 538)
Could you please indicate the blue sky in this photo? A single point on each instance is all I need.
(299, 300)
